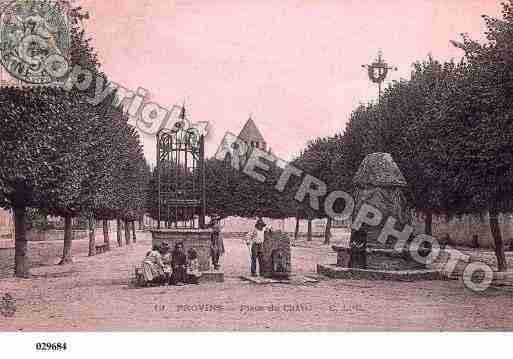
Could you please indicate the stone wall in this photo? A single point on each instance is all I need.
(461, 230)
(56, 235)
(51, 235)
(287, 225)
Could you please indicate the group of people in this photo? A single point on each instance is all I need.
(162, 266)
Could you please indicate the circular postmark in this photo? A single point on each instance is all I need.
(35, 41)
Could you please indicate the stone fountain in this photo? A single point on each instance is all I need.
(379, 183)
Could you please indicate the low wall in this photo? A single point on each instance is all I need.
(49, 235)
(239, 224)
(54, 235)
(461, 230)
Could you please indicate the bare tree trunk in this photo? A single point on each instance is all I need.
(141, 224)
(21, 265)
(68, 240)
(92, 236)
(296, 230)
(134, 237)
(428, 223)
(11, 225)
(127, 232)
(119, 232)
(106, 238)
(497, 237)
(309, 234)
(327, 231)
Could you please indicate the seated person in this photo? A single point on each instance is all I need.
(153, 268)
(179, 264)
(166, 261)
(193, 272)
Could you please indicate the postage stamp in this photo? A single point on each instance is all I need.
(35, 41)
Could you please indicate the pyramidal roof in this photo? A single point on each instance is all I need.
(379, 169)
(250, 132)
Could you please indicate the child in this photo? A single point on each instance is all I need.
(167, 262)
(193, 273)
(179, 265)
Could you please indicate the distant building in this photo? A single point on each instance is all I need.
(252, 136)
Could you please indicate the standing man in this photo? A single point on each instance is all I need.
(256, 242)
(216, 242)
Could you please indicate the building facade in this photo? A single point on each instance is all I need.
(252, 136)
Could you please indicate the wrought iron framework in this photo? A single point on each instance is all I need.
(181, 178)
(378, 71)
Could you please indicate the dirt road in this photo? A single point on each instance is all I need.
(92, 294)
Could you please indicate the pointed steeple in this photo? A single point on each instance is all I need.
(251, 133)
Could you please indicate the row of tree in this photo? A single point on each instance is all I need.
(449, 128)
(65, 157)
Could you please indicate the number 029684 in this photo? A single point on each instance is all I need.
(51, 346)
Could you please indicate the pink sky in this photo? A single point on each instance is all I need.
(296, 65)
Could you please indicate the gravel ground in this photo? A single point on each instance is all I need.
(93, 294)
(39, 254)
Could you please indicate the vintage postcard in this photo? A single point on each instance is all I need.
(255, 166)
